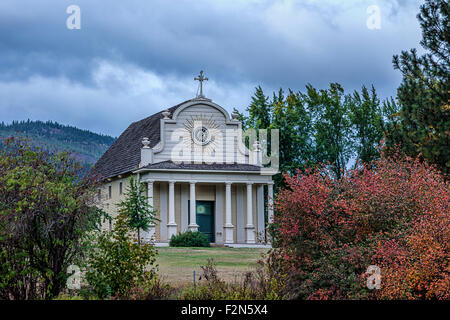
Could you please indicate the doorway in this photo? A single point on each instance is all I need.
(205, 218)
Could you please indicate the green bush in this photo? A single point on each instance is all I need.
(118, 263)
(189, 239)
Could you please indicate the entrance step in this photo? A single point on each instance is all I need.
(245, 245)
(217, 245)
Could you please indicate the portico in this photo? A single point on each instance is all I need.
(236, 223)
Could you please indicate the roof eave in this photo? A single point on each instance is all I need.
(197, 170)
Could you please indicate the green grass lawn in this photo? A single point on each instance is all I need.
(176, 265)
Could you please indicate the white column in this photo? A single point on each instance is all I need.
(184, 206)
(171, 226)
(270, 201)
(260, 224)
(228, 222)
(250, 227)
(151, 229)
(193, 226)
(240, 214)
(219, 213)
(163, 210)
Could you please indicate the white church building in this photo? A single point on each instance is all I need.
(198, 173)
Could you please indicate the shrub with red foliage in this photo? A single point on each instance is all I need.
(393, 213)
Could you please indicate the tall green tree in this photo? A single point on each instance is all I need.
(293, 120)
(366, 117)
(259, 117)
(289, 115)
(323, 126)
(259, 110)
(330, 113)
(424, 125)
(136, 207)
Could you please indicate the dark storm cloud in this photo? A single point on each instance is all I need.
(124, 47)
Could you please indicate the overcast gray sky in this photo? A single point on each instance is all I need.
(133, 58)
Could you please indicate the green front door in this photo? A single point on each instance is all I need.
(205, 218)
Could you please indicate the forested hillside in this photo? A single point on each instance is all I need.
(86, 146)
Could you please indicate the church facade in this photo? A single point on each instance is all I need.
(198, 175)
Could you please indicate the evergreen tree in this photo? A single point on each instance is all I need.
(424, 124)
(137, 208)
(259, 111)
(391, 116)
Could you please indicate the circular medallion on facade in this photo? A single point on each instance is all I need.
(201, 135)
(203, 132)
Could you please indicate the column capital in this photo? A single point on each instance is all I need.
(270, 183)
(228, 183)
(171, 181)
(192, 182)
(150, 181)
(250, 182)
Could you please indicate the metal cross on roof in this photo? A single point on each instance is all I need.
(201, 78)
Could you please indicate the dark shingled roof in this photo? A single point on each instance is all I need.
(165, 165)
(124, 154)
